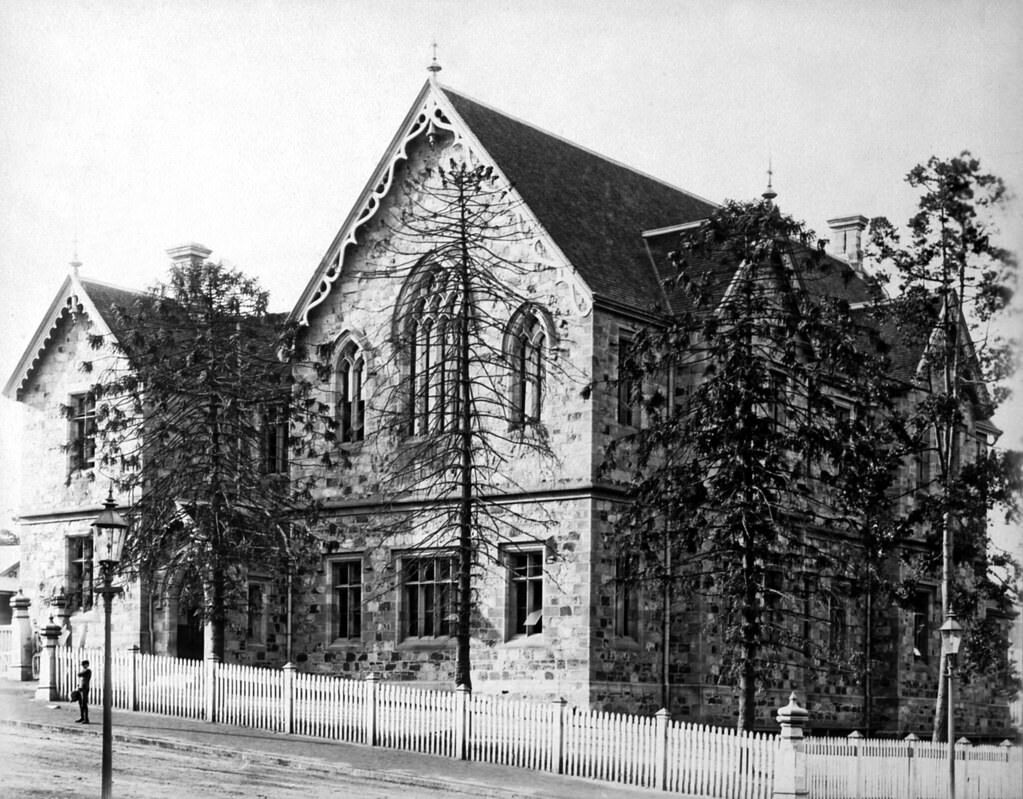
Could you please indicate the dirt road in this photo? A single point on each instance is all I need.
(36, 764)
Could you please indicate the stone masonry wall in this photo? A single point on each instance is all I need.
(57, 502)
(545, 665)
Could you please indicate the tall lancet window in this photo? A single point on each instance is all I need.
(351, 403)
(527, 346)
(430, 332)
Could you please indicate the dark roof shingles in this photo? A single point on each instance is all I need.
(594, 209)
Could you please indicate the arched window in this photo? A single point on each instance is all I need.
(351, 404)
(526, 351)
(432, 355)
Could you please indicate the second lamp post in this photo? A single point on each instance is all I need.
(109, 542)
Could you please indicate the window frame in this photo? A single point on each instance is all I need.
(921, 610)
(336, 588)
(431, 353)
(526, 350)
(276, 441)
(428, 604)
(351, 393)
(81, 572)
(525, 593)
(838, 623)
(625, 600)
(256, 619)
(82, 431)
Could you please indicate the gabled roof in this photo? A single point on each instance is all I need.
(594, 209)
(911, 344)
(76, 295)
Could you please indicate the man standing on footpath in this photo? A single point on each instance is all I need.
(84, 678)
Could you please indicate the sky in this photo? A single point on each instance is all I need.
(250, 126)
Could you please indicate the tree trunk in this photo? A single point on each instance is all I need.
(748, 675)
(666, 631)
(465, 506)
(868, 651)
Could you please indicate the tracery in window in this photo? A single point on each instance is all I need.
(527, 345)
(351, 404)
(430, 331)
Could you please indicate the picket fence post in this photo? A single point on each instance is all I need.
(369, 716)
(135, 677)
(790, 764)
(558, 738)
(911, 769)
(963, 745)
(211, 687)
(853, 739)
(462, 722)
(661, 750)
(289, 698)
(46, 689)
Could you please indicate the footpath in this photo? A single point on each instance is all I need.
(18, 708)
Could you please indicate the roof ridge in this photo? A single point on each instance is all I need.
(105, 284)
(576, 145)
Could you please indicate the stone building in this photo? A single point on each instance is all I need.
(584, 240)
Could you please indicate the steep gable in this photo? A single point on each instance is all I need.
(76, 296)
(593, 209)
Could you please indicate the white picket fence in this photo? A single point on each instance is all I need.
(649, 752)
(641, 751)
(863, 768)
(6, 641)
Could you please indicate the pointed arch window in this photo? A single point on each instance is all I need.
(527, 347)
(351, 402)
(432, 356)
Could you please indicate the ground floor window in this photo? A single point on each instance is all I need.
(79, 573)
(526, 573)
(428, 597)
(625, 598)
(922, 626)
(346, 576)
(255, 632)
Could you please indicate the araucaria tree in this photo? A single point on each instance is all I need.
(955, 281)
(733, 479)
(473, 336)
(194, 419)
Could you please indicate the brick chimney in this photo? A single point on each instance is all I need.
(847, 239)
(191, 252)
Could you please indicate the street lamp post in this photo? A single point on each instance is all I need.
(109, 541)
(951, 638)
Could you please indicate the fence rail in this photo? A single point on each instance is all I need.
(629, 750)
(654, 753)
(862, 768)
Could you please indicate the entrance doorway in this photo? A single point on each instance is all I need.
(190, 622)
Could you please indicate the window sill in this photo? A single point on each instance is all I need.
(526, 641)
(625, 642)
(351, 446)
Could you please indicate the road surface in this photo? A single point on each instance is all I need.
(36, 763)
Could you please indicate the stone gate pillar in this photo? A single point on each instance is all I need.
(46, 690)
(19, 667)
(790, 765)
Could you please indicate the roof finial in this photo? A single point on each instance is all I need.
(75, 264)
(770, 194)
(434, 67)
